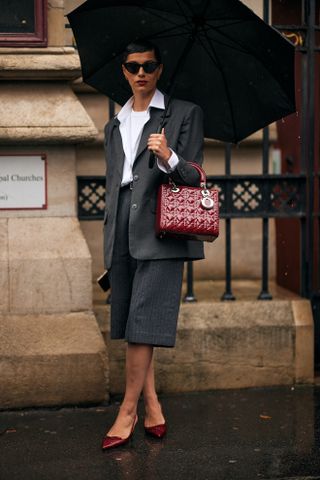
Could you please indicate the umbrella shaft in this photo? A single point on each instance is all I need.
(171, 83)
(180, 65)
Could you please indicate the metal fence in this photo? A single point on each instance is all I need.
(262, 196)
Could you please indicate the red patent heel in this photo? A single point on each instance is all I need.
(157, 431)
(111, 442)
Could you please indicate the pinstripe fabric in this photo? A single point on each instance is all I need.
(145, 294)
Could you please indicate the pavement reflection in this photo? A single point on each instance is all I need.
(267, 433)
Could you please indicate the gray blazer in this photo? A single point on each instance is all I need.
(184, 132)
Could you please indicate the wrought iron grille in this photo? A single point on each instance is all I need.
(91, 197)
(241, 196)
(260, 196)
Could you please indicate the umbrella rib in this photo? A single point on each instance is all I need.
(185, 15)
(117, 54)
(232, 22)
(224, 19)
(218, 30)
(160, 35)
(232, 47)
(248, 51)
(182, 26)
(152, 11)
(205, 8)
(208, 52)
(216, 60)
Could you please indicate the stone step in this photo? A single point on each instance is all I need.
(52, 359)
(246, 343)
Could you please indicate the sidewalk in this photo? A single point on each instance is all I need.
(270, 433)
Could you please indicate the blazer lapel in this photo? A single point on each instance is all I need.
(117, 146)
(156, 116)
(150, 127)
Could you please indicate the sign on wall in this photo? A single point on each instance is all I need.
(23, 182)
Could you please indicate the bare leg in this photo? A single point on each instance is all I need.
(138, 359)
(153, 414)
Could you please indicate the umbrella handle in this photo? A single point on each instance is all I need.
(152, 159)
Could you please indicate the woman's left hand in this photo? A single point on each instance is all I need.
(157, 143)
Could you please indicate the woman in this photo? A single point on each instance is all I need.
(145, 271)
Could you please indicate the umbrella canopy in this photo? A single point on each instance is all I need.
(216, 53)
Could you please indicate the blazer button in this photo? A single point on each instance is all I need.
(135, 177)
(134, 206)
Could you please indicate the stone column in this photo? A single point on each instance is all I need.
(51, 349)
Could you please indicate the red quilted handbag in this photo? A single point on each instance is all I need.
(187, 212)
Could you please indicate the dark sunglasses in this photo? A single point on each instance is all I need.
(148, 67)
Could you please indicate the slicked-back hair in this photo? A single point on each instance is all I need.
(141, 46)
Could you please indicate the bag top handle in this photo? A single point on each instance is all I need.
(202, 173)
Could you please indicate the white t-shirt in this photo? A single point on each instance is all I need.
(137, 122)
(131, 134)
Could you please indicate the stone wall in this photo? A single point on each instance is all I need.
(51, 349)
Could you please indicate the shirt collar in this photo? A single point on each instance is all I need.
(157, 101)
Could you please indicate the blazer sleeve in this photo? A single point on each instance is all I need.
(189, 148)
(106, 136)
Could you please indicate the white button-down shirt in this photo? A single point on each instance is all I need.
(131, 127)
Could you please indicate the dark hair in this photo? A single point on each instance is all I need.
(141, 46)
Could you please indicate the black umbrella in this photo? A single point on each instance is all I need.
(216, 53)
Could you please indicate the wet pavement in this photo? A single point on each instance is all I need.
(269, 433)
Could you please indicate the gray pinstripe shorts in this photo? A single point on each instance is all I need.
(145, 294)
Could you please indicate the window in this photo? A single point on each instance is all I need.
(23, 23)
(291, 12)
